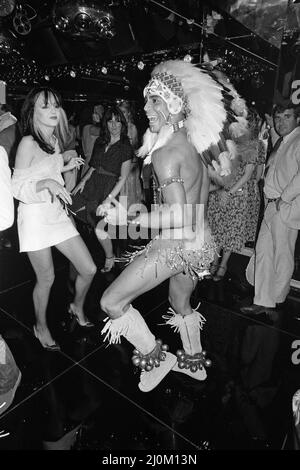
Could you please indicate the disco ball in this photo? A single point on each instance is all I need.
(85, 19)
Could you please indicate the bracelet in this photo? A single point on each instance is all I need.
(133, 222)
(109, 196)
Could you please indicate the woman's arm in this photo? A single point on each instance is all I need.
(125, 170)
(83, 181)
(25, 187)
(205, 186)
(224, 195)
(213, 187)
(134, 136)
(250, 167)
(72, 161)
(25, 153)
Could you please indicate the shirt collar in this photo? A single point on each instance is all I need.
(286, 138)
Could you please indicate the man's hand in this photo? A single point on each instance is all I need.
(278, 203)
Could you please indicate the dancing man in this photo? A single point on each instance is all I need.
(186, 110)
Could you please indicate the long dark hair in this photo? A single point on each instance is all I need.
(27, 115)
(109, 113)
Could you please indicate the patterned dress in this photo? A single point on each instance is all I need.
(236, 223)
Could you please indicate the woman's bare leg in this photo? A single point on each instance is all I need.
(106, 243)
(42, 264)
(76, 251)
(223, 266)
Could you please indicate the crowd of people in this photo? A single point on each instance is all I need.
(208, 154)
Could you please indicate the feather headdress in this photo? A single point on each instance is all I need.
(206, 104)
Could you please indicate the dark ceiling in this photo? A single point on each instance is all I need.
(142, 27)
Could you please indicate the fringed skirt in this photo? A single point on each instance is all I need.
(192, 258)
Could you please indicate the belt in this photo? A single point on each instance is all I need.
(102, 171)
(272, 200)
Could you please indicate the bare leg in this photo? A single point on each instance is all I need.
(180, 290)
(76, 251)
(106, 243)
(42, 264)
(223, 266)
(137, 278)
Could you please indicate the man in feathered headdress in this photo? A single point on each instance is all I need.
(187, 114)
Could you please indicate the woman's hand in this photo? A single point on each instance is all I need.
(116, 214)
(57, 190)
(74, 162)
(102, 209)
(79, 188)
(68, 154)
(223, 197)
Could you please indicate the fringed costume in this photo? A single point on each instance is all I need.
(206, 106)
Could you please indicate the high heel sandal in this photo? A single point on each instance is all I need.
(109, 264)
(219, 277)
(49, 347)
(74, 315)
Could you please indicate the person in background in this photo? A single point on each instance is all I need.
(233, 210)
(132, 188)
(6, 117)
(43, 220)
(109, 168)
(90, 133)
(66, 135)
(10, 136)
(270, 269)
(10, 377)
(6, 195)
(126, 109)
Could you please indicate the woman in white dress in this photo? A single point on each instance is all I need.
(42, 217)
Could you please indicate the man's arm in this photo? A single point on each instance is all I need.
(292, 190)
(204, 186)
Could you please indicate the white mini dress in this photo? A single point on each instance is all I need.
(41, 222)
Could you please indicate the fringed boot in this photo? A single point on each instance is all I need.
(192, 360)
(149, 355)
